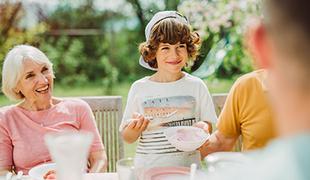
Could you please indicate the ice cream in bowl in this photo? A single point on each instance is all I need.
(186, 138)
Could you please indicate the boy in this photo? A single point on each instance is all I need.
(170, 97)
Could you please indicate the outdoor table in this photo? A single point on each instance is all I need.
(90, 176)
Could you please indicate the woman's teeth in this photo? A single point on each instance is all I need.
(43, 89)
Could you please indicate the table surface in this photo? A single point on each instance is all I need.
(90, 176)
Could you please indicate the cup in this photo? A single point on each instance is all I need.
(69, 150)
(125, 169)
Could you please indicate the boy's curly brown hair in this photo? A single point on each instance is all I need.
(169, 31)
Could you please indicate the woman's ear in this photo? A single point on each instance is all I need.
(259, 45)
(16, 90)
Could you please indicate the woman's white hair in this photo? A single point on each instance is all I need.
(13, 67)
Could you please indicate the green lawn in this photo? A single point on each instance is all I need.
(214, 85)
(84, 90)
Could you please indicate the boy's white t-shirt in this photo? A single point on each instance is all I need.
(179, 103)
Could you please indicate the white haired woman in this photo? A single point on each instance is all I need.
(27, 76)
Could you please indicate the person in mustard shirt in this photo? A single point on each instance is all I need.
(246, 113)
(281, 44)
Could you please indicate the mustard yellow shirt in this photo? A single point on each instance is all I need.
(247, 112)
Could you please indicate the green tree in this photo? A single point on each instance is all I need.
(76, 42)
(222, 20)
(11, 33)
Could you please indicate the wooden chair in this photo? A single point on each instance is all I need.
(219, 101)
(108, 114)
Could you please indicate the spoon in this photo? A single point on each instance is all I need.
(19, 175)
(8, 176)
(193, 171)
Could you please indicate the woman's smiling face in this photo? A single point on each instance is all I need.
(36, 82)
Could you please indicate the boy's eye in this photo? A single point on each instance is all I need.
(182, 46)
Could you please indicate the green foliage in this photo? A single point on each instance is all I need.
(10, 32)
(218, 20)
(67, 59)
(80, 58)
(236, 61)
(124, 54)
(107, 57)
(88, 45)
(111, 75)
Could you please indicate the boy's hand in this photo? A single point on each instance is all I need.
(136, 126)
(138, 123)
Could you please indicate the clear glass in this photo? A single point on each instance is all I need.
(69, 150)
(125, 169)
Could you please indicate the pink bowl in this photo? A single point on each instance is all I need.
(166, 173)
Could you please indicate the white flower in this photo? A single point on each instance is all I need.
(212, 15)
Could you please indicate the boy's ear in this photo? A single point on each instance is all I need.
(259, 45)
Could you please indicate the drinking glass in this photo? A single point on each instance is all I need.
(69, 150)
(125, 169)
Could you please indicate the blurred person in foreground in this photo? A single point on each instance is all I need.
(246, 113)
(280, 43)
(27, 76)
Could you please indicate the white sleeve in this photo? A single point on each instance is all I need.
(206, 106)
(131, 107)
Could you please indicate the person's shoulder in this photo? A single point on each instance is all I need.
(6, 111)
(140, 82)
(192, 79)
(195, 82)
(248, 83)
(248, 79)
(74, 103)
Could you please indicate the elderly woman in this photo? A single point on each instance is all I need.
(27, 76)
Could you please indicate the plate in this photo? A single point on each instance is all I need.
(186, 138)
(167, 173)
(219, 160)
(39, 171)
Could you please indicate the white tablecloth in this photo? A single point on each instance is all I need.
(91, 176)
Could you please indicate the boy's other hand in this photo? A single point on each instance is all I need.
(203, 125)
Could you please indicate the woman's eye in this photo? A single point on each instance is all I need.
(45, 69)
(182, 46)
(29, 76)
(164, 48)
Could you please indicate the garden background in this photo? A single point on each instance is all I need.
(93, 43)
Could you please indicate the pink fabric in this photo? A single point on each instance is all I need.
(22, 132)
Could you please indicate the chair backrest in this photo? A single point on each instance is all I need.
(108, 114)
(219, 101)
